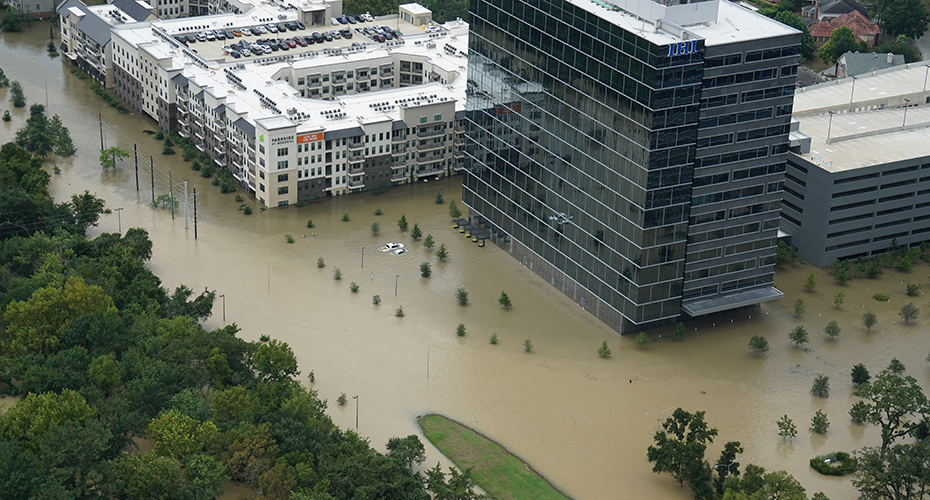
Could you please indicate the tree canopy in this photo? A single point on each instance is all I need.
(841, 41)
(901, 17)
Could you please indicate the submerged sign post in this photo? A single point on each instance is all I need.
(682, 48)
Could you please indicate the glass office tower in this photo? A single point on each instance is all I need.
(586, 143)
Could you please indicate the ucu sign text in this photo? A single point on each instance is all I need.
(682, 48)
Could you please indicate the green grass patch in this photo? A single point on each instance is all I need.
(500, 473)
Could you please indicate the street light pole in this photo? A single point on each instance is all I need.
(269, 271)
(395, 284)
(427, 357)
(119, 218)
(223, 296)
(356, 411)
(853, 91)
(659, 415)
(363, 257)
(907, 103)
(926, 74)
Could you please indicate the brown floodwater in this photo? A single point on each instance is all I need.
(578, 419)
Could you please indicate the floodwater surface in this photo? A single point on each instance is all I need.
(578, 419)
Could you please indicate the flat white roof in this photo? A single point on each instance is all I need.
(415, 8)
(716, 21)
(868, 124)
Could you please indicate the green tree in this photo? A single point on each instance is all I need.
(893, 473)
(798, 335)
(819, 423)
(320, 263)
(810, 282)
(441, 252)
(416, 233)
(425, 270)
(454, 211)
(86, 209)
(179, 436)
(799, 307)
(459, 486)
(408, 450)
(504, 300)
(887, 402)
(913, 290)
(376, 300)
(838, 298)
(275, 361)
(353, 287)
(604, 350)
(439, 200)
(460, 330)
(461, 295)
(35, 414)
(402, 222)
(679, 449)
(527, 345)
(642, 340)
(841, 41)
(821, 386)
(35, 325)
(900, 45)
(832, 329)
(110, 156)
(11, 20)
(786, 428)
(909, 312)
(493, 339)
(16, 94)
(337, 274)
(901, 17)
(38, 136)
(104, 372)
(428, 242)
(869, 319)
(860, 374)
(345, 216)
(375, 228)
(758, 345)
(680, 332)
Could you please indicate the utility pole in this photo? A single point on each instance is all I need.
(100, 118)
(195, 212)
(152, 168)
(171, 193)
(186, 204)
(135, 152)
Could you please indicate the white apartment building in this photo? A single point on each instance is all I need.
(323, 120)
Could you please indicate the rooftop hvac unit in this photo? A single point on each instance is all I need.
(291, 111)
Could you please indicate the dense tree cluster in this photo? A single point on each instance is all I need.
(42, 135)
(106, 355)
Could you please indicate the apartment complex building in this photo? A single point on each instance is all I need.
(309, 122)
(85, 32)
(632, 153)
(858, 173)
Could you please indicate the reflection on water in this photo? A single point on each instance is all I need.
(578, 419)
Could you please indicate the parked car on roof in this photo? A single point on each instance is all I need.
(235, 53)
(245, 52)
(343, 20)
(291, 43)
(246, 32)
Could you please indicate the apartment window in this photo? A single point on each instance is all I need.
(300, 81)
(437, 118)
(282, 190)
(282, 164)
(261, 187)
(282, 151)
(350, 74)
(422, 119)
(261, 174)
(282, 177)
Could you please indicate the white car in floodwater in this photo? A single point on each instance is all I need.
(391, 247)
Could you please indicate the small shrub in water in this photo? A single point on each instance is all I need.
(289, 238)
(342, 399)
(354, 287)
(376, 300)
(493, 339)
(320, 263)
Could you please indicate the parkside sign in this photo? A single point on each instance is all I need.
(682, 48)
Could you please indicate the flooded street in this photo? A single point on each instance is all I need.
(578, 419)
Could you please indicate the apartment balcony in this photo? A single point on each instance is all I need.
(220, 148)
(183, 110)
(430, 133)
(459, 129)
(219, 124)
(356, 159)
(181, 97)
(220, 160)
(427, 173)
(356, 169)
(200, 147)
(356, 183)
(460, 140)
(399, 161)
(400, 138)
(356, 146)
(183, 132)
(398, 177)
(432, 146)
(399, 150)
(459, 153)
(199, 133)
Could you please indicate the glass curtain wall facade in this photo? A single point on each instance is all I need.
(581, 143)
(589, 158)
